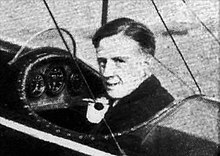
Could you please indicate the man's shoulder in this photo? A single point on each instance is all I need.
(151, 88)
(140, 105)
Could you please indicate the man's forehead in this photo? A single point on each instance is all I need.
(117, 45)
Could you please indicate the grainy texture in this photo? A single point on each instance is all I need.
(22, 19)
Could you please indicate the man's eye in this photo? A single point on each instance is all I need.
(118, 60)
(101, 62)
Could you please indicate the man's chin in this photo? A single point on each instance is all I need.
(116, 94)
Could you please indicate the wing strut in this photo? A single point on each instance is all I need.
(174, 42)
(104, 12)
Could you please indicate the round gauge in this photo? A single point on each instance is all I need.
(36, 86)
(76, 82)
(55, 80)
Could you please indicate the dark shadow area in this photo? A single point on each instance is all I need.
(70, 118)
(175, 32)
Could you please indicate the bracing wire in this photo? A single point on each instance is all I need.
(84, 79)
(175, 75)
(58, 28)
(113, 136)
(202, 23)
(174, 42)
(67, 47)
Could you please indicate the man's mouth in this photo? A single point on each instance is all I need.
(112, 84)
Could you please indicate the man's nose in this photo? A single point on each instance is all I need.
(109, 69)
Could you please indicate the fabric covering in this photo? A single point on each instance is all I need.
(186, 128)
(182, 128)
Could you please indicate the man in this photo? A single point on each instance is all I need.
(124, 50)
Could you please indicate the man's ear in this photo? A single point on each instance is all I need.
(147, 56)
(148, 59)
(147, 63)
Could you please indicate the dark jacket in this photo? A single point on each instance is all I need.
(132, 110)
(136, 108)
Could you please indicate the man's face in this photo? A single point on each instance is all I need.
(122, 65)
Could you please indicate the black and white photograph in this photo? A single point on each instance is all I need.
(109, 78)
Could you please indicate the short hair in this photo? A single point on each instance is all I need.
(135, 30)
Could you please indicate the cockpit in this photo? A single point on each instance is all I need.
(45, 83)
(53, 83)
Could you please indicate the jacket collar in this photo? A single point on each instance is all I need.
(145, 89)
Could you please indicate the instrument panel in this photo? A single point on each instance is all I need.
(49, 78)
(55, 85)
(51, 84)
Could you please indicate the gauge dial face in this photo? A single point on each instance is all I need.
(76, 82)
(36, 86)
(55, 80)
